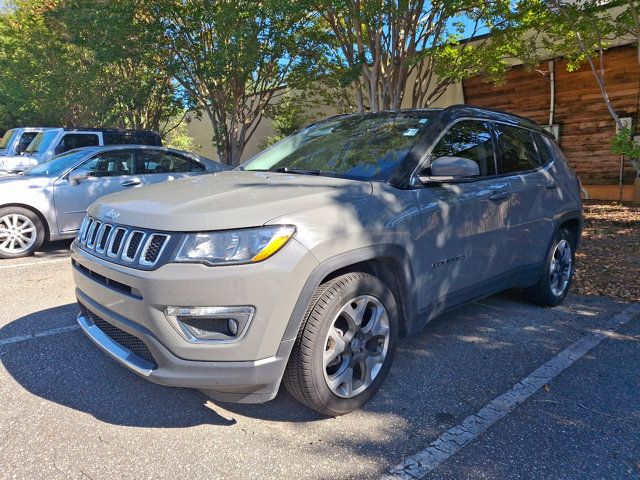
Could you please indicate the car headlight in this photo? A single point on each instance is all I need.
(231, 247)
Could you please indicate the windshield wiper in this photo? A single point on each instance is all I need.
(299, 171)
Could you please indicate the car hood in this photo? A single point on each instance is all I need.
(17, 188)
(225, 200)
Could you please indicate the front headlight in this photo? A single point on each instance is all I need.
(231, 247)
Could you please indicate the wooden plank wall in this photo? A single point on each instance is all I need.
(587, 127)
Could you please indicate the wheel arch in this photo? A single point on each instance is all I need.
(390, 263)
(38, 213)
(573, 222)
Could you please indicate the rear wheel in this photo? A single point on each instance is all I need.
(21, 232)
(558, 272)
(345, 346)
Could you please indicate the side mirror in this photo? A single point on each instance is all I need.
(76, 177)
(20, 148)
(452, 170)
(58, 150)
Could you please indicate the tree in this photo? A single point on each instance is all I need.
(233, 57)
(382, 45)
(122, 41)
(83, 63)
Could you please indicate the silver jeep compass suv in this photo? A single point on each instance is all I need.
(308, 262)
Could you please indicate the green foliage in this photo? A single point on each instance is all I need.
(624, 144)
(81, 63)
(179, 138)
(231, 58)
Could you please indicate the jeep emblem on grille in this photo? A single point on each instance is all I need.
(112, 215)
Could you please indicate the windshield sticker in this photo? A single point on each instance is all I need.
(411, 132)
(424, 120)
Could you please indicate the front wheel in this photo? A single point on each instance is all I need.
(21, 232)
(554, 284)
(345, 346)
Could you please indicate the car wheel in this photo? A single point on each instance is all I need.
(345, 345)
(21, 232)
(558, 272)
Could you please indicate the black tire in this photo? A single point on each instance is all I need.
(544, 293)
(305, 373)
(39, 234)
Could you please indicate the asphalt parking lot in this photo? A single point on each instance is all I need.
(67, 411)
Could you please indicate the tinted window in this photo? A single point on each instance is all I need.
(469, 139)
(516, 149)
(364, 147)
(108, 164)
(545, 150)
(78, 140)
(26, 139)
(131, 138)
(159, 162)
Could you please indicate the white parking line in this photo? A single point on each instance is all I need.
(455, 439)
(31, 264)
(46, 333)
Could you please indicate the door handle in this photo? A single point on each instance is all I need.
(131, 183)
(499, 195)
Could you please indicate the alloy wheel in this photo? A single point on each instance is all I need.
(17, 233)
(560, 267)
(356, 346)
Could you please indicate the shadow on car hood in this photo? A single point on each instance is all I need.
(226, 200)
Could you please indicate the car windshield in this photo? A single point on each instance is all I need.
(6, 138)
(41, 142)
(56, 165)
(361, 147)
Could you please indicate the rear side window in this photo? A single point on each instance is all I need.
(469, 139)
(545, 148)
(516, 149)
(131, 138)
(158, 162)
(78, 140)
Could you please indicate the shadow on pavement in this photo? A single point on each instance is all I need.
(454, 366)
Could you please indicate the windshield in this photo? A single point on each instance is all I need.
(362, 147)
(41, 142)
(56, 165)
(6, 138)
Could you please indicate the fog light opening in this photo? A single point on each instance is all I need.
(210, 324)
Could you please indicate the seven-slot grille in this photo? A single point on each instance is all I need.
(122, 243)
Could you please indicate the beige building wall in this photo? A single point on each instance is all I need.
(202, 133)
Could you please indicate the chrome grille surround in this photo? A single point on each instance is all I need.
(125, 245)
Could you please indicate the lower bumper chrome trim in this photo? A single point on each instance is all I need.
(113, 349)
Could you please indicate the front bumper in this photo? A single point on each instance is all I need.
(249, 370)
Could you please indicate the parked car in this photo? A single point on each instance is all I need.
(48, 201)
(13, 143)
(307, 263)
(55, 141)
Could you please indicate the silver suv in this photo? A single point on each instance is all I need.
(309, 261)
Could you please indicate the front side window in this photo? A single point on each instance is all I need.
(25, 140)
(160, 162)
(470, 139)
(516, 149)
(108, 164)
(41, 143)
(361, 147)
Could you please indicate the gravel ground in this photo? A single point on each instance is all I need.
(608, 262)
